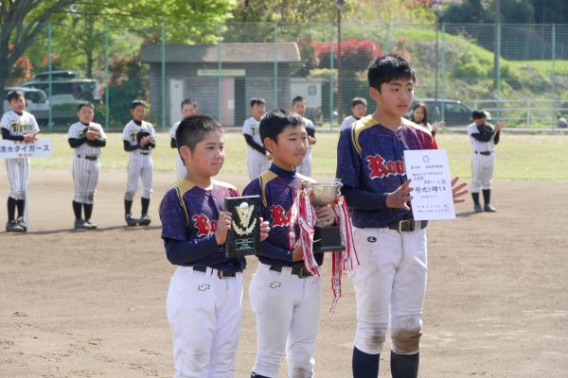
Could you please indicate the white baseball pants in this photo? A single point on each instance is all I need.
(85, 177)
(17, 171)
(205, 314)
(482, 172)
(139, 169)
(390, 284)
(287, 310)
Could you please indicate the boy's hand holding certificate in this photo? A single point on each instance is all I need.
(432, 196)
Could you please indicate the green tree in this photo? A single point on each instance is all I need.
(289, 11)
(391, 12)
(466, 12)
(20, 23)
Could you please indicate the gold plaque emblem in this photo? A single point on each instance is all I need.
(244, 212)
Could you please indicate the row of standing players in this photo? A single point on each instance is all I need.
(204, 301)
(87, 138)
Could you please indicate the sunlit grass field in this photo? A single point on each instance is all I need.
(518, 157)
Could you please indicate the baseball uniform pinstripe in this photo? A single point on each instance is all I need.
(257, 163)
(85, 166)
(180, 167)
(482, 160)
(17, 169)
(139, 162)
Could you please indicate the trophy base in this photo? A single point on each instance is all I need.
(328, 239)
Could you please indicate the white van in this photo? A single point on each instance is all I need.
(67, 92)
(36, 103)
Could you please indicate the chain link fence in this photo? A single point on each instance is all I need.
(227, 64)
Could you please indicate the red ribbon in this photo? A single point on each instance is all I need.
(303, 214)
(346, 259)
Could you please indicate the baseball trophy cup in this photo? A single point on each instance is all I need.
(326, 238)
(244, 236)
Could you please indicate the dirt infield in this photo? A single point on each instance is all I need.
(92, 304)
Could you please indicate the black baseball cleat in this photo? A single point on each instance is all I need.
(145, 220)
(477, 208)
(489, 208)
(13, 226)
(22, 223)
(131, 221)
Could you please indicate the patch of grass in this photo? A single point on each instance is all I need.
(519, 157)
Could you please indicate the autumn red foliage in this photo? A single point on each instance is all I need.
(355, 53)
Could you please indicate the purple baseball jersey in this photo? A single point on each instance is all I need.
(277, 188)
(370, 164)
(189, 215)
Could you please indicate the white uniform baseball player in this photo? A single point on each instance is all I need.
(483, 138)
(306, 167)
(180, 167)
(17, 125)
(188, 108)
(358, 110)
(257, 160)
(299, 106)
(139, 139)
(86, 138)
(347, 122)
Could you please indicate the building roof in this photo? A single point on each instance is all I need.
(229, 52)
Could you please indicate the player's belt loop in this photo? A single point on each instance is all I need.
(486, 153)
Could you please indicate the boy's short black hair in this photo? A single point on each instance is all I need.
(358, 101)
(387, 68)
(257, 101)
(478, 114)
(189, 101)
(192, 130)
(298, 99)
(275, 121)
(86, 104)
(14, 95)
(136, 103)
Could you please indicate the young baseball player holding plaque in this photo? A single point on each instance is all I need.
(205, 296)
(390, 281)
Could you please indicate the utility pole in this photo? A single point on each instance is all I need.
(496, 47)
(339, 6)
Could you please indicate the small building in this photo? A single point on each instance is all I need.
(221, 78)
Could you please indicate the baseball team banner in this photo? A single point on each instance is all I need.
(430, 173)
(20, 150)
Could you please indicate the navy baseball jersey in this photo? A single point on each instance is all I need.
(370, 157)
(189, 214)
(277, 188)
